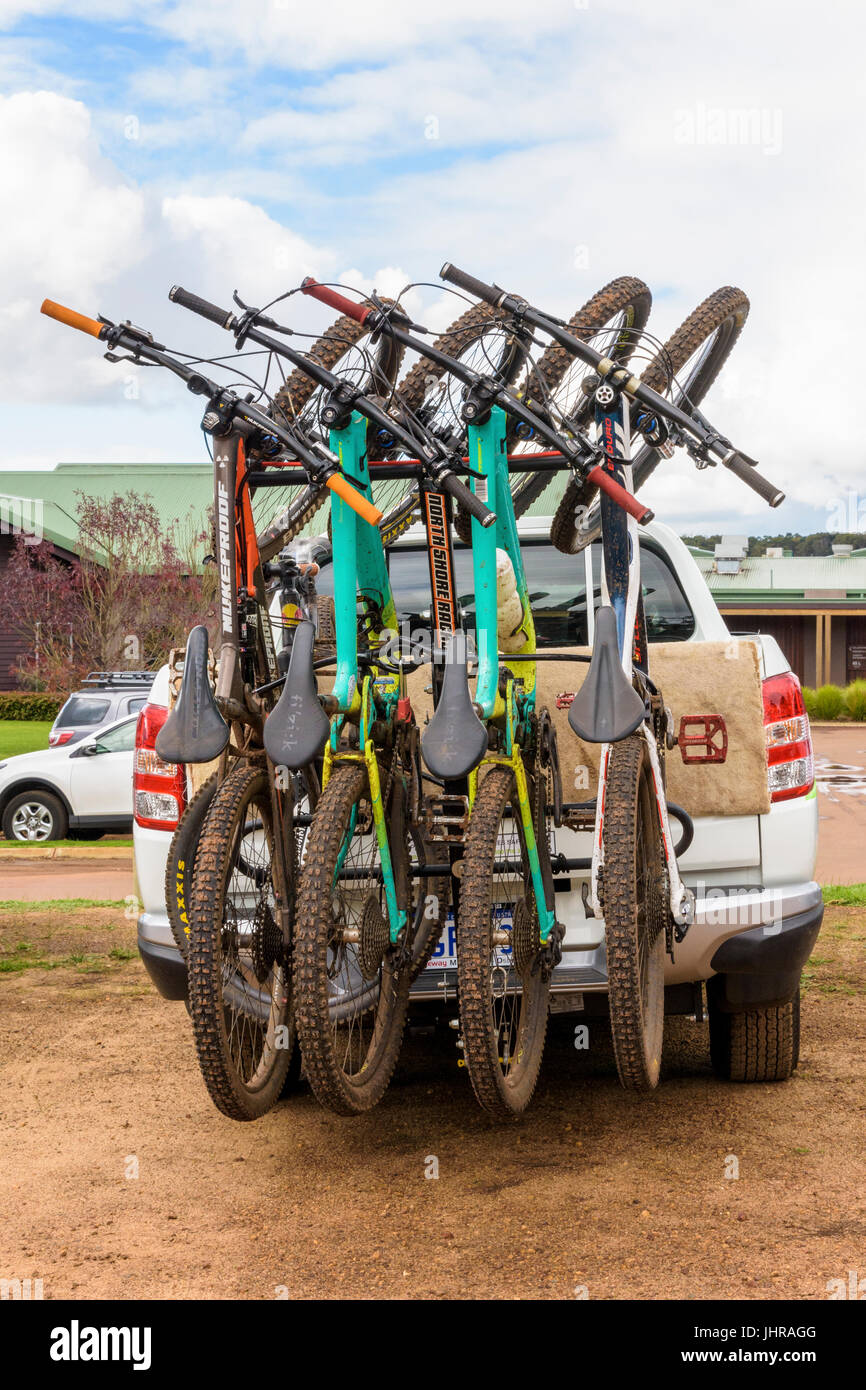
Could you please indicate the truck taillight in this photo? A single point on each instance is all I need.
(159, 789)
(790, 764)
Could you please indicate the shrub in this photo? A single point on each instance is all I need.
(810, 700)
(855, 699)
(829, 702)
(29, 704)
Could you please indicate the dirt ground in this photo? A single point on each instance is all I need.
(118, 1178)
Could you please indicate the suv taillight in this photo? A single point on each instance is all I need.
(159, 789)
(57, 740)
(790, 764)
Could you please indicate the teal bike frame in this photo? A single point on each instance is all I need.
(489, 459)
(360, 570)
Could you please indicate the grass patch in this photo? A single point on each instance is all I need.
(23, 736)
(124, 842)
(844, 894)
(58, 904)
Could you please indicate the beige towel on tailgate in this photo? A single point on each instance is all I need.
(694, 678)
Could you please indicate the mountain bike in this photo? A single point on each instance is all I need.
(495, 758)
(635, 883)
(238, 899)
(370, 903)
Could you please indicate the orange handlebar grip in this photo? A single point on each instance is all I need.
(353, 498)
(70, 316)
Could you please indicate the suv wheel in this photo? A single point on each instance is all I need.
(757, 1045)
(35, 816)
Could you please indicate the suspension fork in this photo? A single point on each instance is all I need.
(397, 916)
(513, 759)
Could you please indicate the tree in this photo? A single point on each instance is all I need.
(134, 592)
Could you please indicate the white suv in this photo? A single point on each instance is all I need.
(83, 788)
(759, 909)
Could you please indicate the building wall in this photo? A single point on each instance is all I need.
(11, 646)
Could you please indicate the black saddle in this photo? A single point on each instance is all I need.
(455, 740)
(297, 726)
(195, 731)
(607, 707)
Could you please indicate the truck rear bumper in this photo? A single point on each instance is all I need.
(761, 968)
(771, 924)
(162, 960)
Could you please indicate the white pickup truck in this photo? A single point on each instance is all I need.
(759, 909)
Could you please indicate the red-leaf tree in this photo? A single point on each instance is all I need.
(132, 594)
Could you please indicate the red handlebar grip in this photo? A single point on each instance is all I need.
(335, 299)
(620, 495)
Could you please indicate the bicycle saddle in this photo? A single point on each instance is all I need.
(195, 731)
(455, 740)
(607, 707)
(297, 726)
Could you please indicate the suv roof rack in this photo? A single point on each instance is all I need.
(114, 678)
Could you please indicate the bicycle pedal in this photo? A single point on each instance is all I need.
(703, 738)
(446, 819)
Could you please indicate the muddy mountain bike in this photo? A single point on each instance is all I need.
(495, 758)
(635, 883)
(236, 909)
(370, 904)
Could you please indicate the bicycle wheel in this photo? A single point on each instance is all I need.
(635, 912)
(352, 985)
(504, 989)
(181, 860)
(298, 400)
(612, 321)
(239, 972)
(484, 341)
(686, 366)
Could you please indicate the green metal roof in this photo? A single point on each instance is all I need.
(181, 492)
(825, 578)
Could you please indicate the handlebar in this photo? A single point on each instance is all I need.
(514, 304)
(429, 451)
(73, 318)
(221, 317)
(746, 471)
(450, 483)
(621, 495)
(491, 294)
(335, 300)
(139, 345)
(353, 498)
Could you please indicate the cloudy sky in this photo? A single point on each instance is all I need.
(550, 146)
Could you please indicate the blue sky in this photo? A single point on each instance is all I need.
(549, 148)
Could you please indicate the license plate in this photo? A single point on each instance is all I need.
(445, 955)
